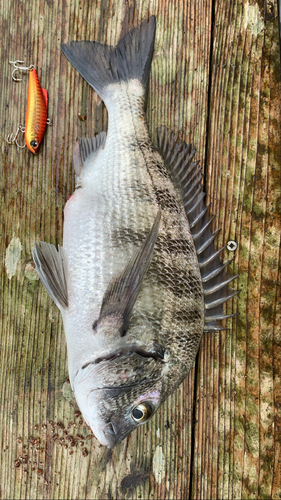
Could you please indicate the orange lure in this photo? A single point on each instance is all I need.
(36, 112)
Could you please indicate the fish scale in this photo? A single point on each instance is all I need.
(128, 280)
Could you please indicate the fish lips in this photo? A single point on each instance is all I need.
(113, 435)
(106, 435)
(109, 436)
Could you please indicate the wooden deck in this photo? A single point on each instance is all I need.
(216, 79)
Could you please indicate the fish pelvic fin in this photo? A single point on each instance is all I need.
(51, 266)
(187, 177)
(101, 65)
(123, 289)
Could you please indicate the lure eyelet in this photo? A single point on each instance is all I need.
(142, 412)
(18, 67)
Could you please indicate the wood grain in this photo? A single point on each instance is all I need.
(233, 450)
(238, 400)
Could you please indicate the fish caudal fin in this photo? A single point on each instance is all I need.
(51, 266)
(187, 177)
(102, 65)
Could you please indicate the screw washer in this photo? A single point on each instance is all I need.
(231, 245)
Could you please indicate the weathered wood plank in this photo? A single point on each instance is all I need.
(40, 458)
(238, 401)
(237, 436)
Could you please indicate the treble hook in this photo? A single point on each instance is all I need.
(19, 68)
(13, 139)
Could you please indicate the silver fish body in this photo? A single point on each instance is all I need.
(106, 220)
(130, 288)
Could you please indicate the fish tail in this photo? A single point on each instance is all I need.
(101, 65)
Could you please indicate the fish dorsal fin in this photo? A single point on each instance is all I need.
(187, 177)
(91, 145)
(123, 289)
(51, 266)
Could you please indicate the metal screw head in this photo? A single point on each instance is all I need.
(231, 245)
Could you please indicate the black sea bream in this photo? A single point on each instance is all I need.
(138, 275)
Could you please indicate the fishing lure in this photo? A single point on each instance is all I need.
(36, 110)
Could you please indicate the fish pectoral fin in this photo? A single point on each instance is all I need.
(123, 289)
(51, 266)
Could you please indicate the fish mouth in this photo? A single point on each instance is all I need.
(111, 436)
(157, 353)
(107, 435)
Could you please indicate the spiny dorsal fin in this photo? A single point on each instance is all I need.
(51, 266)
(123, 289)
(187, 177)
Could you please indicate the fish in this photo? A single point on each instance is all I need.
(36, 113)
(137, 279)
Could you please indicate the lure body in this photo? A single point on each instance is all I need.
(36, 113)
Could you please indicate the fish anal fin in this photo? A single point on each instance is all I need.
(123, 289)
(91, 145)
(51, 266)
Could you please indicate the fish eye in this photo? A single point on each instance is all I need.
(34, 144)
(142, 412)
